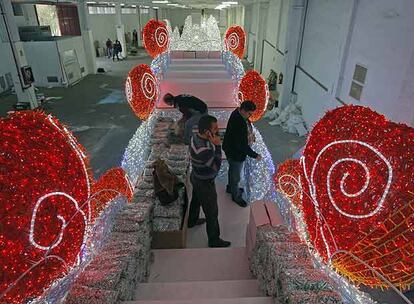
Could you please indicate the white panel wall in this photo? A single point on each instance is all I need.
(75, 43)
(323, 40)
(44, 60)
(383, 41)
(29, 16)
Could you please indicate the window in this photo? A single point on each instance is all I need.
(17, 9)
(128, 10)
(358, 82)
(101, 10)
(144, 10)
(47, 15)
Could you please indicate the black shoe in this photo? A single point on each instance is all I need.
(241, 190)
(219, 244)
(241, 202)
(200, 221)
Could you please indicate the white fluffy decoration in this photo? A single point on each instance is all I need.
(290, 118)
(197, 37)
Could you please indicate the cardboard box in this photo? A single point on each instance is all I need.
(174, 239)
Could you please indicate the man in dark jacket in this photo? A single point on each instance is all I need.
(192, 109)
(236, 144)
(205, 151)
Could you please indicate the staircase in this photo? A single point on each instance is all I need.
(203, 276)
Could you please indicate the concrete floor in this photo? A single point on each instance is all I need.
(96, 111)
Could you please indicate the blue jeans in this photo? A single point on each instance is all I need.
(235, 168)
(190, 124)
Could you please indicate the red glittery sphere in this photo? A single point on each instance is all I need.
(141, 90)
(253, 87)
(44, 182)
(155, 37)
(111, 184)
(235, 40)
(287, 181)
(358, 170)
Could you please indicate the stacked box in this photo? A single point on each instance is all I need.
(285, 269)
(123, 261)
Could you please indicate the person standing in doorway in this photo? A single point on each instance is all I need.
(135, 38)
(109, 48)
(236, 144)
(205, 151)
(117, 50)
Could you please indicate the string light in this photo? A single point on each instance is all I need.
(43, 185)
(235, 40)
(141, 90)
(253, 87)
(111, 184)
(356, 173)
(155, 37)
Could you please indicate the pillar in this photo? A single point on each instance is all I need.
(261, 22)
(25, 95)
(120, 28)
(87, 36)
(139, 29)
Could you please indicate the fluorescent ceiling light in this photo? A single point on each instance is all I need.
(173, 4)
(160, 1)
(230, 2)
(155, 7)
(91, 2)
(133, 5)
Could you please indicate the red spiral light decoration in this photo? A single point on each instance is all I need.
(288, 181)
(235, 40)
(155, 37)
(113, 183)
(45, 181)
(253, 87)
(357, 172)
(141, 90)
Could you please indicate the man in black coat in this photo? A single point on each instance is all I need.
(192, 109)
(236, 144)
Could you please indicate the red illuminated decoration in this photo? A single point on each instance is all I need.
(155, 37)
(113, 183)
(235, 40)
(141, 90)
(253, 87)
(287, 181)
(45, 181)
(357, 172)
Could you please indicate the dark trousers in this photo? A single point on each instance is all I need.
(205, 195)
(235, 168)
(115, 54)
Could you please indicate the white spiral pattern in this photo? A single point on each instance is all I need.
(161, 36)
(233, 41)
(61, 218)
(289, 180)
(313, 188)
(128, 89)
(148, 85)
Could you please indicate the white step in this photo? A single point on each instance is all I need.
(196, 61)
(250, 300)
(203, 74)
(200, 264)
(197, 290)
(192, 67)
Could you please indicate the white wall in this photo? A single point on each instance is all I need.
(383, 41)
(6, 62)
(29, 16)
(377, 34)
(104, 26)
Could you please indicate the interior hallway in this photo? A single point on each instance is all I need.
(96, 111)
